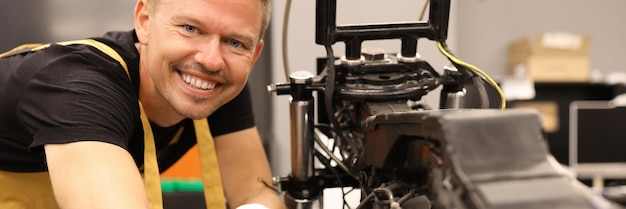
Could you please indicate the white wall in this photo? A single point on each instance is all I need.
(485, 27)
(41, 21)
(93, 18)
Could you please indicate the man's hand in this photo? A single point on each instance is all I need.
(252, 206)
(242, 162)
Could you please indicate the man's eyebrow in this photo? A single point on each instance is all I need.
(183, 19)
(245, 36)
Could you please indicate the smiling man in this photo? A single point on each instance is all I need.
(71, 130)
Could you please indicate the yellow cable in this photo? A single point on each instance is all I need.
(475, 69)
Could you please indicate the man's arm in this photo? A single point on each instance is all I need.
(242, 161)
(92, 174)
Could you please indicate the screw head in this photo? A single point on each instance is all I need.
(373, 54)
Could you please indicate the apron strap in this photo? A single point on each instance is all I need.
(90, 42)
(211, 178)
(151, 176)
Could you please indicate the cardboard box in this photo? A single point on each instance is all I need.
(551, 57)
(548, 112)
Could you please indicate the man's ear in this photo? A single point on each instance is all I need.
(142, 17)
(257, 51)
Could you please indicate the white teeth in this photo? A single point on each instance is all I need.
(197, 82)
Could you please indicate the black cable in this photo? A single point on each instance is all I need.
(328, 98)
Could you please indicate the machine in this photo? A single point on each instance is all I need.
(374, 134)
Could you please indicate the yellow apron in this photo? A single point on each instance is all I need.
(26, 191)
(34, 190)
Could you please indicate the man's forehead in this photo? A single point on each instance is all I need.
(193, 11)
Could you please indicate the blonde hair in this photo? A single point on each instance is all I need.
(266, 7)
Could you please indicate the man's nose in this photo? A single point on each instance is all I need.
(210, 54)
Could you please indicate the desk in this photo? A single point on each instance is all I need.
(598, 172)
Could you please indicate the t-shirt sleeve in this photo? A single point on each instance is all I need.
(234, 116)
(81, 95)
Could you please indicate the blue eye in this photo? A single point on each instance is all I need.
(234, 43)
(189, 28)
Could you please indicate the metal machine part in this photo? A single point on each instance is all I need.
(302, 124)
(301, 111)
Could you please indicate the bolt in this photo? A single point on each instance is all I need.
(373, 54)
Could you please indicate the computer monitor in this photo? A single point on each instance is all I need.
(597, 140)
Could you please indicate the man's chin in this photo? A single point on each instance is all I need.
(194, 113)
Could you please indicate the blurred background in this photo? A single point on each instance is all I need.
(480, 33)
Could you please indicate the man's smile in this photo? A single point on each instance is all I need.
(198, 83)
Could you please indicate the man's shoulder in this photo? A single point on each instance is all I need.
(123, 42)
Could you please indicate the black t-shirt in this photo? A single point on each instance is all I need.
(63, 94)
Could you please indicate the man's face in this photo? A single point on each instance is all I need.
(199, 52)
